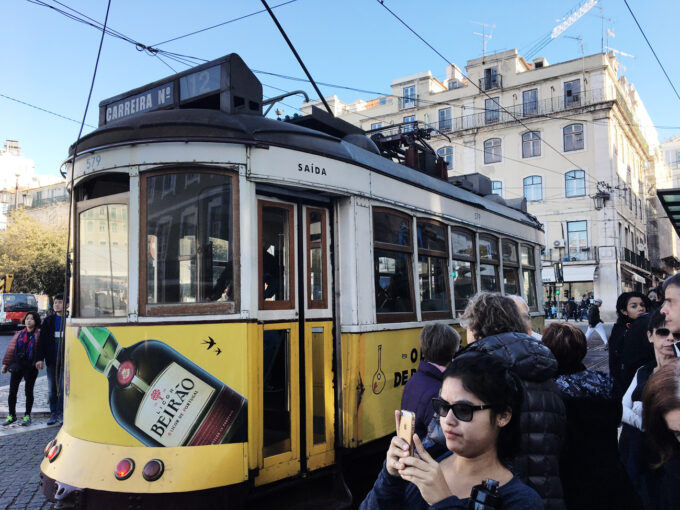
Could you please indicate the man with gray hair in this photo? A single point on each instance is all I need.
(523, 308)
(438, 343)
(595, 323)
(671, 303)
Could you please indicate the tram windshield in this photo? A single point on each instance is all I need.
(189, 238)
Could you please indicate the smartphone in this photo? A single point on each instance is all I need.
(676, 349)
(407, 427)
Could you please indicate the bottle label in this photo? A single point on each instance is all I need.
(174, 402)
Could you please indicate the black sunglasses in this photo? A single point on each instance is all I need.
(666, 332)
(461, 410)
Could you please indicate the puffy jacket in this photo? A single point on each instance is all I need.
(8, 358)
(542, 420)
(418, 393)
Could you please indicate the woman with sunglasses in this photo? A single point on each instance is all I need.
(592, 474)
(661, 437)
(662, 340)
(478, 408)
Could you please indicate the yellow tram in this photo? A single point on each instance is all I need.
(247, 293)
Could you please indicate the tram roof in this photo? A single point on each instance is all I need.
(209, 125)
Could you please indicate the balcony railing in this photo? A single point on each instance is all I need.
(562, 255)
(637, 260)
(519, 111)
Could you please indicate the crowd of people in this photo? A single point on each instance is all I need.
(521, 412)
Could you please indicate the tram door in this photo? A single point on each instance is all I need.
(295, 340)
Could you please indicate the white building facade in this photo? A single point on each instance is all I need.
(558, 136)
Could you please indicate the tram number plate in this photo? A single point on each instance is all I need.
(93, 163)
(478, 216)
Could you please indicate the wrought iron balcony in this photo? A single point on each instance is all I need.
(637, 260)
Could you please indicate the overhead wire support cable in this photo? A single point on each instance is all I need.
(222, 24)
(302, 64)
(651, 48)
(381, 2)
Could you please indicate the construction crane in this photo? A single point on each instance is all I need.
(6, 283)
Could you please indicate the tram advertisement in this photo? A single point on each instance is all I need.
(163, 386)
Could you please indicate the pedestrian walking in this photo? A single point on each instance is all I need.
(592, 474)
(583, 308)
(23, 361)
(438, 343)
(595, 323)
(51, 332)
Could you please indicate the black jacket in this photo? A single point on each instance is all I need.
(594, 316)
(592, 474)
(48, 343)
(542, 420)
(629, 349)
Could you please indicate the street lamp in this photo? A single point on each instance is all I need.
(16, 193)
(600, 198)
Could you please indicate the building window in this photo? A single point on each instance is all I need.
(575, 183)
(491, 107)
(488, 264)
(463, 254)
(530, 102)
(577, 240)
(409, 123)
(392, 255)
(445, 119)
(491, 78)
(492, 150)
(531, 144)
(497, 188)
(573, 137)
(446, 153)
(510, 268)
(408, 99)
(572, 93)
(376, 125)
(433, 274)
(533, 188)
(529, 276)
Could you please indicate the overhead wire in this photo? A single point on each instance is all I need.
(43, 109)
(652, 48)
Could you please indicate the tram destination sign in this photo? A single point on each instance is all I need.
(149, 100)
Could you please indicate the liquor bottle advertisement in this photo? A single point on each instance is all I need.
(180, 385)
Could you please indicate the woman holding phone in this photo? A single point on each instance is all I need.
(478, 408)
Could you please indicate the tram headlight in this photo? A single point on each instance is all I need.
(153, 470)
(124, 469)
(49, 447)
(54, 452)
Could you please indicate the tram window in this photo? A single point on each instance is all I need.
(103, 262)
(103, 186)
(464, 283)
(488, 278)
(392, 255)
(189, 238)
(463, 268)
(433, 270)
(276, 259)
(276, 392)
(510, 267)
(510, 281)
(318, 387)
(316, 259)
(488, 248)
(529, 275)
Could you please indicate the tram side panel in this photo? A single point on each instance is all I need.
(160, 388)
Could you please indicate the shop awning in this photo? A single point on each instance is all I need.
(670, 200)
(578, 273)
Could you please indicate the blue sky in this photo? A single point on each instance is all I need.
(48, 59)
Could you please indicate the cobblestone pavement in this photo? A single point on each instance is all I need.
(21, 455)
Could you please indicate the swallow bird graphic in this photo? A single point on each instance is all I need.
(210, 343)
(218, 352)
